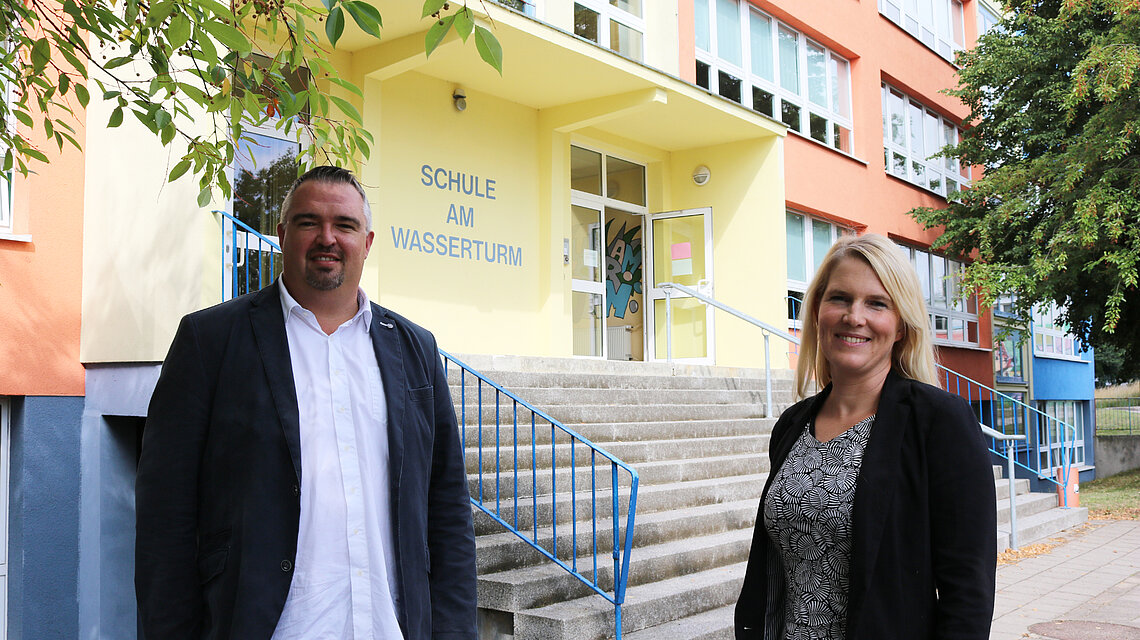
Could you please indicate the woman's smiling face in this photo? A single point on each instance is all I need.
(857, 321)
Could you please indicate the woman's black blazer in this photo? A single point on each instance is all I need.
(924, 522)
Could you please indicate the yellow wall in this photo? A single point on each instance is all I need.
(472, 304)
(150, 253)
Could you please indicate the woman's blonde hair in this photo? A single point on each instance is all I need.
(913, 355)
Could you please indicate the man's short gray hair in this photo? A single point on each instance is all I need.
(331, 174)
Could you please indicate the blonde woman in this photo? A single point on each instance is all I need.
(878, 517)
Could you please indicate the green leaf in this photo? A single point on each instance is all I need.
(168, 134)
(489, 48)
(431, 7)
(205, 196)
(161, 118)
(436, 33)
(64, 84)
(329, 4)
(41, 54)
(33, 153)
(346, 108)
(117, 62)
(116, 118)
(341, 82)
(25, 119)
(159, 12)
(49, 129)
(464, 23)
(334, 25)
(229, 36)
(82, 95)
(179, 32)
(366, 16)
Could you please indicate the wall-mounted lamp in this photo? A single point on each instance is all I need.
(701, 175)
(459, 96)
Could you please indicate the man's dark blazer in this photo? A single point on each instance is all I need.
(218, 486)
(924, 523)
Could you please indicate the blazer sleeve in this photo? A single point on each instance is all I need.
(167, 587)
(963, 516)
(451, 535)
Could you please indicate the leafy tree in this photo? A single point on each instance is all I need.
(166, 62)
(1054, 95)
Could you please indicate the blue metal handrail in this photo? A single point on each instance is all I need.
(239, 254)
(1022, 417)
(622, 542)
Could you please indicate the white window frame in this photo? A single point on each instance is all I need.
(810, 258)
(607, 13)
(988, 19)
(956, 316)
(938, 24)
(1051, 338)
(1049, 446)
(530, 7)
(914, 157)
(836, 115)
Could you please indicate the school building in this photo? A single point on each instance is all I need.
(721, 145)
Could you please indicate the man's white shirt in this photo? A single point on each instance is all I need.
(345, 581)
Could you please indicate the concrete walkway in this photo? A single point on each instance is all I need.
(1086, 588)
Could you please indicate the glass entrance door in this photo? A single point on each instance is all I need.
(587, 284)
(681, 253)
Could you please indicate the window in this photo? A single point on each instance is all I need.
(753, 59)
(953, 312)
(1009, 361)
(522, 6)
(987, 19)
(617, 24)
(912, 137)
(1051, 336)
(808, 240)
(936, 23)
(6, 178)
(1053, 435)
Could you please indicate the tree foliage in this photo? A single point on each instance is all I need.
(167, 63)
(1054, 95)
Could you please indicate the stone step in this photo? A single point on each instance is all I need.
(559, 396)
(649, 605)
(547, 583)
(637, 379)
(579, 507)
(714, 624)
(649, 474)
(631, 453)
(1028, 504)
(1001, 486)
(502, 551)
(1042, 525)
(608, 432)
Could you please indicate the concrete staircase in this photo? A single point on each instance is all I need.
(698, 438)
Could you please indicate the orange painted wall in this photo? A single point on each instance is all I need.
(41, 280)
(856, 189)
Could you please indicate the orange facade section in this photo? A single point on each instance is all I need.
(853, 188)
(41, 278)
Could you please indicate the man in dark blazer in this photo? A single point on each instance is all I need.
(220, 486)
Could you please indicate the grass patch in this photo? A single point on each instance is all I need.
(1130, 390)
(1113, 498)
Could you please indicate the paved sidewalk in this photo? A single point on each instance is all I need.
(1086, 588)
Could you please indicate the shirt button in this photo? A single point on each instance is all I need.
(296, 490)
(286, 566)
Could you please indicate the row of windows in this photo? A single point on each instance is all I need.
(617, 24)
(912, 135)
(937, 23)
(953, 312)
(753, 59)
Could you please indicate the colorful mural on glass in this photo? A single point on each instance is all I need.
(623, 269)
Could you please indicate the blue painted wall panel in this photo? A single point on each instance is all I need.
(44, 490)
(1062, 379)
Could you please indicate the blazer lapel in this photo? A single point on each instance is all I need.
(874, 494)
(390, 356)
(273, 346)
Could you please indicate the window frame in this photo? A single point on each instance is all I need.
(1049, 453)
(957, 308)
(811, 261)
(610, 13)
(943, 31)
(928, 172)
(836, 115)
(1051, 338)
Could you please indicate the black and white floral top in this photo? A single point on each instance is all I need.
(808, 517)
